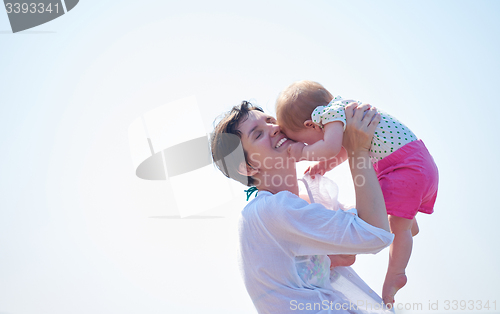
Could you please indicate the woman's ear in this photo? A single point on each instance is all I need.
(246, 170)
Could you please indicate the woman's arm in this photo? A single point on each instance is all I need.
(339, 259)
(337, 160)
(312, 229)
(357, 140)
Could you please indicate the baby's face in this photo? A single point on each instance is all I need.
(308, 136)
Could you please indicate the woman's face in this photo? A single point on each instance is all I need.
(265, 144)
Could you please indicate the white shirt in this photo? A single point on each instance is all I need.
(284, 242)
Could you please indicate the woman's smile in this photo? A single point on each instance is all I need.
(281, 142)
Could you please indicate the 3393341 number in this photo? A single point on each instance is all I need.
(471, 305)
(33, 8)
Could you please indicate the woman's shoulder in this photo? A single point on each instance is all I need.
(268, 203)
(265, 198)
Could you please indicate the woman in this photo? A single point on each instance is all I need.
(284, 239)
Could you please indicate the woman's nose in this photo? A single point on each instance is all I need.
(275, 129)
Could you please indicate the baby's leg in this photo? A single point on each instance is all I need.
(341, 260)
(414, 227)
(399, 255)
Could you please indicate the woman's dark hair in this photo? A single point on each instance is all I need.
(225, 140)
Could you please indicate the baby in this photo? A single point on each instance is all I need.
(408, 176)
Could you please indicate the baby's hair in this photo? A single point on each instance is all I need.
(296, 103)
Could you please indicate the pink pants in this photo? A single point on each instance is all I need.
(409, 180)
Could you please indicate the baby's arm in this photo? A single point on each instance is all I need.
(329, 147)
(324, 166)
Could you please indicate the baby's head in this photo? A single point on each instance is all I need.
(294, 107)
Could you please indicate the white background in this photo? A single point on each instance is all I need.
(80, 233)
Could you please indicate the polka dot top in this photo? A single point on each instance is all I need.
(390, 134)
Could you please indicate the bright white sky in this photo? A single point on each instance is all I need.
(79, 233)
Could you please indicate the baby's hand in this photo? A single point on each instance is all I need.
(295, 151)
(320, 168)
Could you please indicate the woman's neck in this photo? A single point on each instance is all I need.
(275, 183)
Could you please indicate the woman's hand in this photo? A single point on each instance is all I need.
(357, 139)
(360, 128)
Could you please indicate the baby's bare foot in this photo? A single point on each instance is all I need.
(341, 260)
(393, 282)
